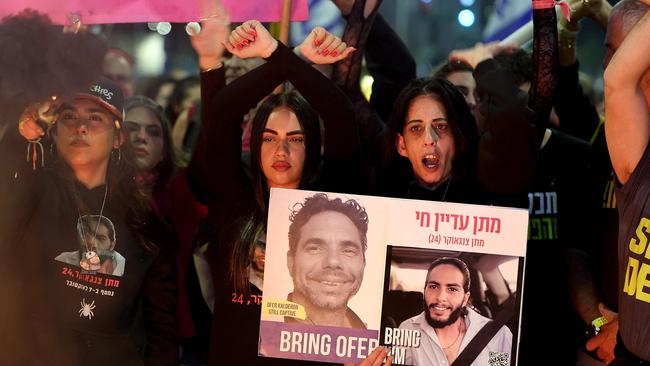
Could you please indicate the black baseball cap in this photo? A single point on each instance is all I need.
(107, 94)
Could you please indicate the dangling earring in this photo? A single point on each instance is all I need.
(54, 152)
(119, 156)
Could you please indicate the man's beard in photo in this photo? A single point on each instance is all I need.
(106, 254)
(455, 314)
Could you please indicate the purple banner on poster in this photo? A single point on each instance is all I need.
(319, 343)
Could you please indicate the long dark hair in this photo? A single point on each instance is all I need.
(126, 193)
(459, 116)
(170, 162)
(255, 225)
(308, 119)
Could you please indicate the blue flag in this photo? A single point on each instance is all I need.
(322, 13)
(508, 16)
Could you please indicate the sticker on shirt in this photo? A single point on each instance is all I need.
(96, 248)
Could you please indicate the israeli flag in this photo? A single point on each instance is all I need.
(322, 13)
(508, 16)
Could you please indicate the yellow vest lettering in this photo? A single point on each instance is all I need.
(637, 280)
(640, 246)
(630, 278)
(643, 282)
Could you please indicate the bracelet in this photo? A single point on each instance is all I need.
(543, 4)
(550, 4)
(221, 17)
(218, 66)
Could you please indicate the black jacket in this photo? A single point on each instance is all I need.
(54, 311)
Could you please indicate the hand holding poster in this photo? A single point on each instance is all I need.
(347, 273)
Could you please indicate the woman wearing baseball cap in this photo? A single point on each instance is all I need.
(89, 272)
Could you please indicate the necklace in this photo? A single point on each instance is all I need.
(90, 261)
(460, 331)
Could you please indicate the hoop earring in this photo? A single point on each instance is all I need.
(119, 155)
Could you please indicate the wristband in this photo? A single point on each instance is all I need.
(217, 66)
(599, 322)
(550, 4)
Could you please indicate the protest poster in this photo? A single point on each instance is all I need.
(346, 273)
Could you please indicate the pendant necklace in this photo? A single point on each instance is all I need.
(89, 260)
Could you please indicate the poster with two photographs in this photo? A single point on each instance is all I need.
(434, 282)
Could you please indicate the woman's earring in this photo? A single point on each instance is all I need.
(119, 155)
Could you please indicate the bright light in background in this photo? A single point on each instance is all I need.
(425, 1)
(163, 28)
(466, 18)
(467, 3)
(150, 55)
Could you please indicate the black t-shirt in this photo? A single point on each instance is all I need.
(634, 259)
(559, 213)
(80, 285)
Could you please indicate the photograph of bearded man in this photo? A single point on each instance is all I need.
(446, 324)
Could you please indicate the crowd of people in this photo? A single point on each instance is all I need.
(132, 225)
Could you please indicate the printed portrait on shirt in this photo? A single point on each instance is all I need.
(96, 248)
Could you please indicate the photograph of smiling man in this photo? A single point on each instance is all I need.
(322, 252)
(326, 259)
(445, 307)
